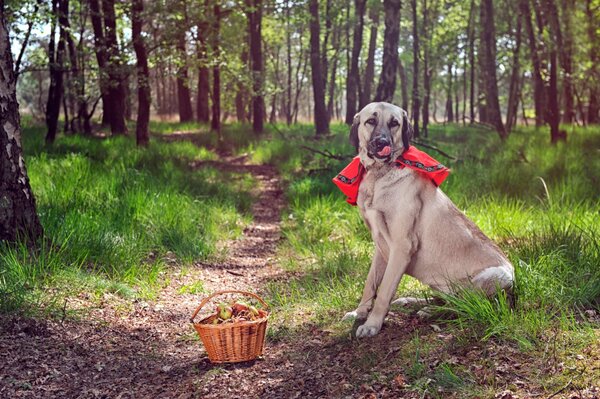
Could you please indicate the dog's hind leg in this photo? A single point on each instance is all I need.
(370, 291)
(410, 301)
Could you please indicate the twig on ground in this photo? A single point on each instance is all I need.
(327, 153)
(560, 390)
(432, 147)
(235, 273)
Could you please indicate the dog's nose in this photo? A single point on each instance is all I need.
(381, 142)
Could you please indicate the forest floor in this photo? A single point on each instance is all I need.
(124, 348)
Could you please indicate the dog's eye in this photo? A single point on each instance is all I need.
(371, 121)
(394, 123)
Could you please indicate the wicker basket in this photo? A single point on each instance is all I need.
(232, 342)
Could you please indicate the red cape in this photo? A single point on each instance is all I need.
(348, 180)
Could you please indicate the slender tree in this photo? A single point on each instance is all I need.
(593, 21)
(539, 89)
(391, 38)
(55, 58)
(488, 54)
(18, 217)
(318, 80)
(256, 55)
(365, 95)
(515, 80)
(116, 72)
(416, 102)
(202, 105)
(143, 77)
(184, 100)
(353, 79)
(216, 97)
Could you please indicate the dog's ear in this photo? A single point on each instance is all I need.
(354, 132)
(407, 131)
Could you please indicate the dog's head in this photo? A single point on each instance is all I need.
(380, 133)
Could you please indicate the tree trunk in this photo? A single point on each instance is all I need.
(594, 40)
(555, 44)
(416, 103)
(184, 100)
(471, 39)
(242, 93)
(427, 70)
(18, 217)
(353, 79)
(365, 95)
(116, 73)
(449, 104)
(488, 52)
(515, 79)
(288, 42)
(538, 82)
(216, 98)
(403, 86)
(331, 87)
(55, 55)
(202, 106)
(318, 80)
(256, 56)
(143, 115)
(101, 58)
(566, 60)
(391, 37)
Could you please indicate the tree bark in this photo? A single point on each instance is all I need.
(353, 79)
(318, 80)
(365, 95)
(288, 42)
(116, 73)
(143, 115)
(566, 60)
(449, 104)
(216, 98)
(202, 106)
(471, 39)
(55, 55)
(488, 53)
(594, 40)
(515, 79)
(427, 70)
(242, 92)
(18, 217)
(416, 102)
(101, 58)
(256, 56)
(391, 37)
(553, 113)
(403, 85)
(331, 86)
(538, 82)
(184, 100)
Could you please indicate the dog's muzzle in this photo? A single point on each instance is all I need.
(380, 147)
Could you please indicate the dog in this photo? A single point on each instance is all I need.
(416, 228)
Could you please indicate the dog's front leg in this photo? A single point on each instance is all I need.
(398, 261)
(373, 280)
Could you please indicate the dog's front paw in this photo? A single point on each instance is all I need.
(367, 330)
(354, 315)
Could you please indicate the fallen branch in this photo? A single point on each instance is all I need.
(327, 153)
(432, 147)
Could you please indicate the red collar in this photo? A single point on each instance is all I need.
(348, 180)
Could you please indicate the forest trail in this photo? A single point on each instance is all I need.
(125, 349)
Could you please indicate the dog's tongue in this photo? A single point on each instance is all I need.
(385, 151)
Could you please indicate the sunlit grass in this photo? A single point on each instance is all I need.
(116, 211)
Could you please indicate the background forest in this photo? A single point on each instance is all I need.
(160, 151)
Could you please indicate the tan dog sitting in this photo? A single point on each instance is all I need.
(416, 228)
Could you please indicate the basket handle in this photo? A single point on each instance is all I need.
(205, 300)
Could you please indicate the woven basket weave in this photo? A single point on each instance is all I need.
(232, 342)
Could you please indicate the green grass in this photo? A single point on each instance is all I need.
(539, 202)
(113, 213)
